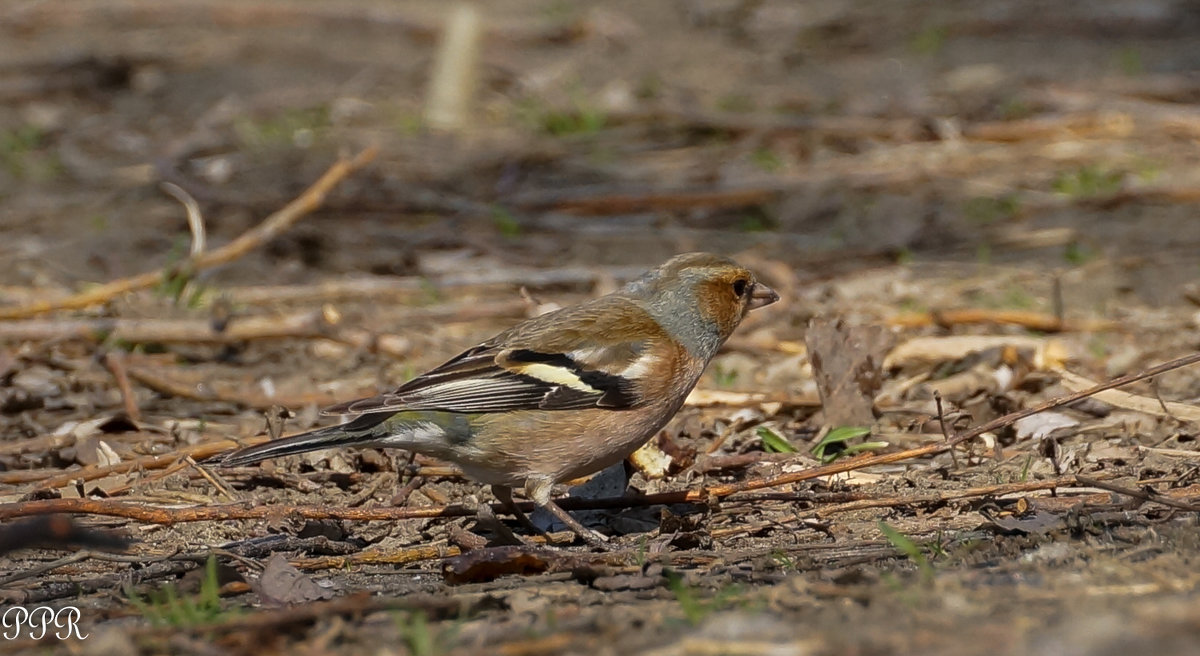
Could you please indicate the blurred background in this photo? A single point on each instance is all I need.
(829, 136)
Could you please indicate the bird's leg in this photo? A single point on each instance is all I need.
(503, 494)
(539, 489)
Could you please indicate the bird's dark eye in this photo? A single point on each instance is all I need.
(740, 286)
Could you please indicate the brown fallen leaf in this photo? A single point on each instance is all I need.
(281, 584)
(847, 364)
(1032, 523)
(493, 562)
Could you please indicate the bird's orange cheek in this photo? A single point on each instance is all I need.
(718, 304)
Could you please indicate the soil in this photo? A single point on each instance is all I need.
(882, 165)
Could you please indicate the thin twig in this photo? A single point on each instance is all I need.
(1137, 494)
(937, 398)
(76, 557)
(158, 381)
(269, 229)
(115, 363)
(141, 480)
(614, 202)
(940, 497)
(378, 557)
(307, 324)
(194, 218)
(212, 478)
(1049, 323)
(50, 479)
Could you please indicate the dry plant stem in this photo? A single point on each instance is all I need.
(247, 510)
(455, 69)
(194, 217)
(463, 284)
(950, 495)
(76, 557)
(244, 398)
(171, 462)
(309, 324)
(43, 443)
(264, 232)
(383, 290)
(142, 481)
(707, 464)
(115, 363)
(1054, 128)
(1137, 494)
(372, 486)
(212, 478)
(937, 397)
(618, 203)
(839, 127)
(50, 479)
(1031, 320)
(378, 557)
(716, 444)
(1129, 401)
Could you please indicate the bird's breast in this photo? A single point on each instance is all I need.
(512, 448)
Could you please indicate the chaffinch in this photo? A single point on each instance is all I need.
(559, 396)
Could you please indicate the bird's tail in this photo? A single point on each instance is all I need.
(361, 431)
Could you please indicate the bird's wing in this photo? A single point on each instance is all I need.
(576, 358)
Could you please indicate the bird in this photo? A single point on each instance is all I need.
(559, 396)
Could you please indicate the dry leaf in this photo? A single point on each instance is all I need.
(1122, 399)
(847, 364)
(925, 351)
(1043, 425)
(105, 456)
(281, 584)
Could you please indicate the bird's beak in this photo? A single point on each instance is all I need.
(761, 296)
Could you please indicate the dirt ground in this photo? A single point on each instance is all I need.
(991, 201)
